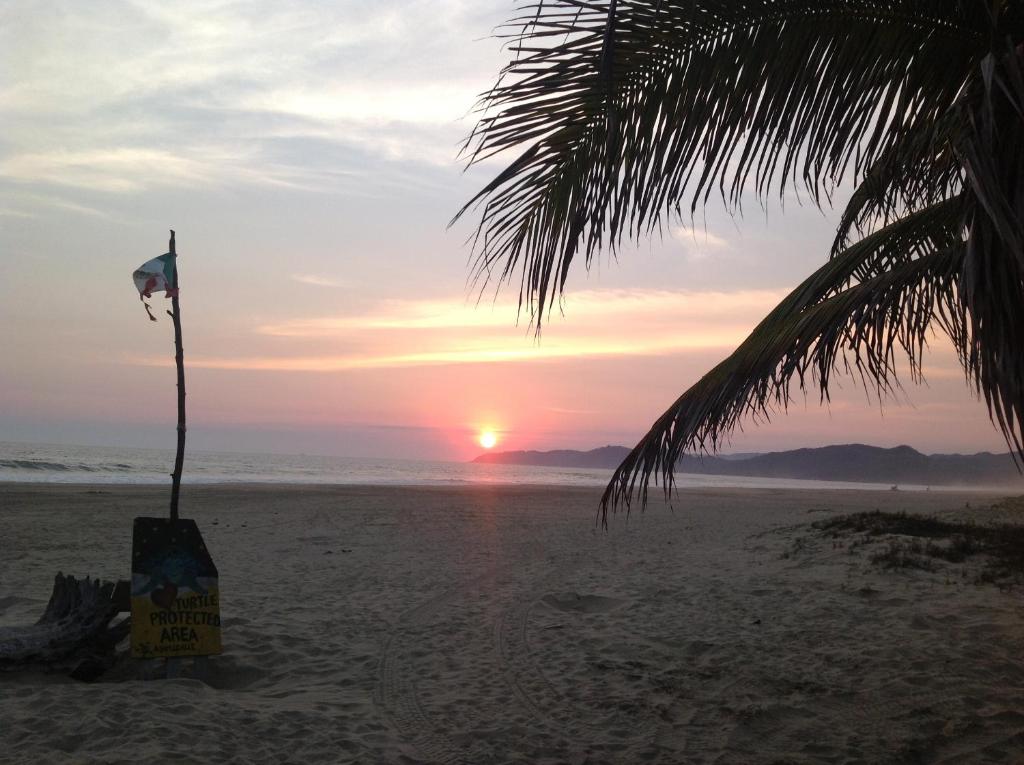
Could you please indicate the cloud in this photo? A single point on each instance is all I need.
(130, 170)
(637, 307)
(698, 244)
(403, 333)
(393, 314)
(316, 281)
(438, 103)
(466, 353)
(33, 199)
(111, 96)
(703, 237)
(117, 170)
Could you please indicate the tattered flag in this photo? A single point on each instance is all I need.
(155, 275)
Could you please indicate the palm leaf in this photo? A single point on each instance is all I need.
(991, 151)
(917, 171)
(827, 324)
(627, 111)
(640, 108)
(957, 264)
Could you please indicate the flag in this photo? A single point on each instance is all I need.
(155, 275)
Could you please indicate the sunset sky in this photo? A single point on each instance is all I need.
(306, 154)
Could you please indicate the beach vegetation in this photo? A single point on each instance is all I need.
(627, 116)
(926, 542)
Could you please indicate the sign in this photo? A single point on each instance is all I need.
(175, 597)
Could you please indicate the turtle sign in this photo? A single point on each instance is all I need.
(175, 597)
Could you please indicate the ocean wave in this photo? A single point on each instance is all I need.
(34, 465)
(63, 467)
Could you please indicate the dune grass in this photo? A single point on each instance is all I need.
(926, 542)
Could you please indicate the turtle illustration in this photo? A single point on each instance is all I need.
(175, 570)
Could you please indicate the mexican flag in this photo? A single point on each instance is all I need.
(155, 275)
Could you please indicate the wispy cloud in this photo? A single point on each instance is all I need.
(111, 96)
(440, 103)
(33, 200)
(402, 333)
(118, 170)
(131, 170)
(698, 243)
(317, 281)
(703, 237)
(465, 354)
(613, 306)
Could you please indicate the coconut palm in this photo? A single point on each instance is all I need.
(626, 113)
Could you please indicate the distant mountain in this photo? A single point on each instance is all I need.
(848, 462)
(604, 457)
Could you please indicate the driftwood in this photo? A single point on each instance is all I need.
(75, 631)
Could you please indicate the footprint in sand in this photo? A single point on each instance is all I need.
(573, 602)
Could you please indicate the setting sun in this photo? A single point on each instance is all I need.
(487, 439)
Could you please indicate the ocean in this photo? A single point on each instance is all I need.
(52, 463)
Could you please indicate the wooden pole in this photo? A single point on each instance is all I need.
(179, 360)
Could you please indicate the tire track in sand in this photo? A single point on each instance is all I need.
(552, 709)
(397, 692)
(396, 685)
(398, 695)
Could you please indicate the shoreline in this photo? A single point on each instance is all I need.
(108, 466)
(785, 484)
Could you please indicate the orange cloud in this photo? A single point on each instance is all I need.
(582, 307)
(431, 332)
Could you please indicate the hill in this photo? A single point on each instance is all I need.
(847, 462)
(603, 457)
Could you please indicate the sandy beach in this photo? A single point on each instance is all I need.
(502, 625)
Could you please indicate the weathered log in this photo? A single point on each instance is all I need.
(75, 631)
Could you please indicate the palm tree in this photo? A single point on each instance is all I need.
(629, 112)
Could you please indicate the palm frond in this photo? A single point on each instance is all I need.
(882, 295)
(635, 109)
(627, 111)
(927, 165)
(957, 265)
(917, 171)
(991, 151)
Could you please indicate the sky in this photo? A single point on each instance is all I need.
(306, 154)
